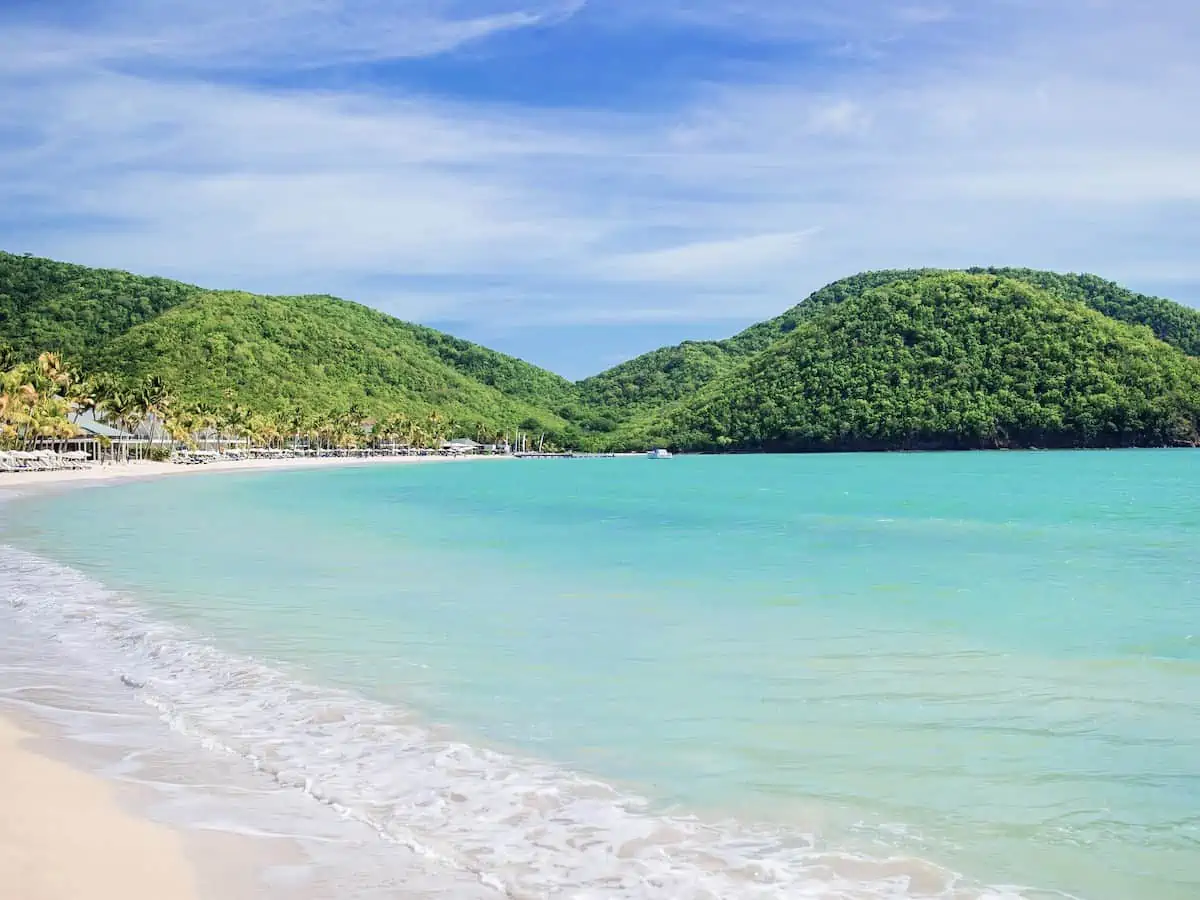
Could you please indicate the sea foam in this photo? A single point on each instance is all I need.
(519, 827)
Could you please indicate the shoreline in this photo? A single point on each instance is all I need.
(74, 824)
(12, 483)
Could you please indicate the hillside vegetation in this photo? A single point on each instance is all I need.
(48, 305)
(662, 377)
(513, 377)
(946, 361)
(890, 359)
(317, 355)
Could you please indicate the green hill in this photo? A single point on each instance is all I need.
(317, 353)
(48, 305)
(945, 360)
(1171, 322)
(640, 386)
(656, 379)
(510, 376)
(906, 358)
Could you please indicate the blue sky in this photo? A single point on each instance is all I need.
(578, 181)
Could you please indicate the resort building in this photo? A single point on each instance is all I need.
(100, 440)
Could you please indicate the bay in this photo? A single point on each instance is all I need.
(983, 666)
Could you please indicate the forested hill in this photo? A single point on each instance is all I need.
(511, 376)
(1171, 322)
(319, 354)
(48, 305)
(659, 378)
(316, 353)
(916, 358)
(945, 361)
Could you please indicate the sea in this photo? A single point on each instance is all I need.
(966, 676)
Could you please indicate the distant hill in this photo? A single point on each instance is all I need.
(944, 361)
(662, 377)
(907, 358)
(512, 377)
(317, 353)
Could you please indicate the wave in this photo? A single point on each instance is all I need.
(524, 828)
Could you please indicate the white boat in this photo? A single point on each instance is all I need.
(660, 453)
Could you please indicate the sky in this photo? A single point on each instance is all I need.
(579, 181)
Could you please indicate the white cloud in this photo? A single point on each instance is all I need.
(233, 182)
(741, 259)
(1064, 139)
(248, 34)
(812, 18)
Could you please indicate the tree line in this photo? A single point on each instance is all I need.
(41, 402)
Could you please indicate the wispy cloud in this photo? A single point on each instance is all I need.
(814, 18)
(741, 259)
(257, 34)
(999, 131)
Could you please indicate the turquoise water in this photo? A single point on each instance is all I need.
(906, 666)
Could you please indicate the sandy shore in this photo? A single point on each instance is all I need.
(63, 836)
(63, 833)
(112, 472)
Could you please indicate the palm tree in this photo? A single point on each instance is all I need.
(352, 426)
(52, 369)
(399, 428)
(156, 401)
(294, 424)
(264, 431)
(48, 421)
(327, 431)
(18, 401)
(125, 408)
(184, 424)
(93, 394)
(436, 428)
(417, 435)
(236, 419)
(83, 394)
(192, 420)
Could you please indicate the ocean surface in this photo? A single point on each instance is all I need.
(854, 676)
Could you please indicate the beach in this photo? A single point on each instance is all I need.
(73, 824)
(63, 836)
(122, 471)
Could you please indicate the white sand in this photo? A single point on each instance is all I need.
(63, 836)
(98, 474)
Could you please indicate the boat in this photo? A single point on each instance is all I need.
(659, 453)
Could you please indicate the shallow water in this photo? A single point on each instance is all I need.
(836, 676)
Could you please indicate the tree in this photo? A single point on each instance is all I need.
(157, 403)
